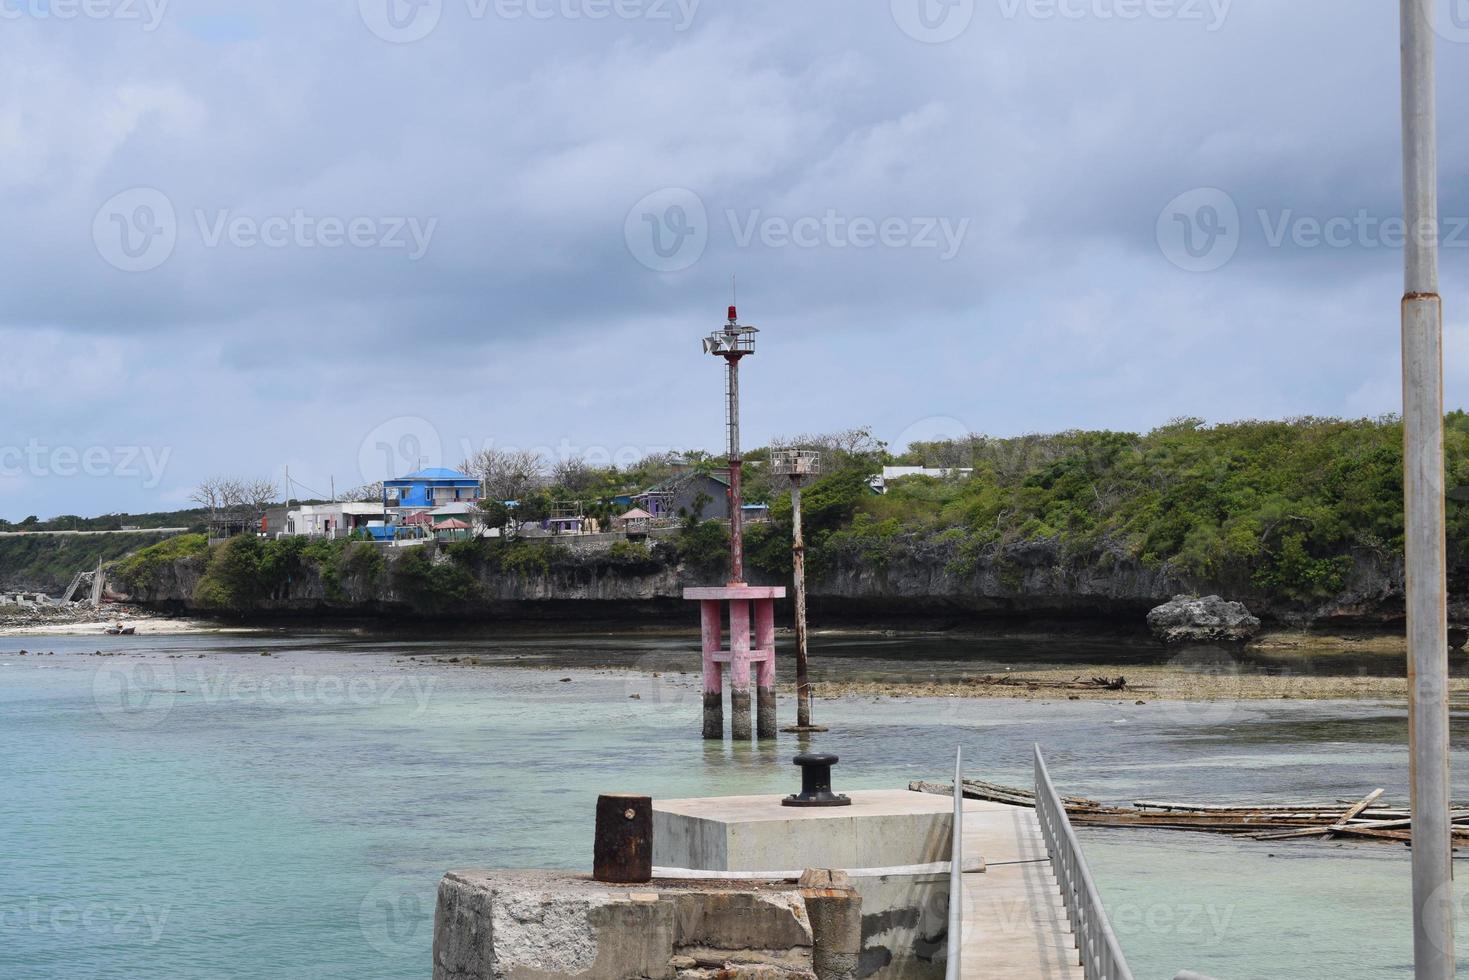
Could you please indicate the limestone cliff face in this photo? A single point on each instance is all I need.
(1030, 581)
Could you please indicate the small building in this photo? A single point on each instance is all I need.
(451, 529)
(690, 494)
(635, 522)
(880, 481)
(341, 519)
(430, 488)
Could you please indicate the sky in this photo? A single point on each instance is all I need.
(353, 237)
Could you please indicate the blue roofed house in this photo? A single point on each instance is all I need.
(430, 488)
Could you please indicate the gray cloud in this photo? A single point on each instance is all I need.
(826, 147)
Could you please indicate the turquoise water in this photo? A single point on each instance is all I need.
(165, 816)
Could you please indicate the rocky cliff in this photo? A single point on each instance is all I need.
(1033, 581)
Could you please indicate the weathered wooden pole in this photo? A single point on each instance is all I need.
(798, 563)
(622, 850)
(1423, 500)
(799, 464)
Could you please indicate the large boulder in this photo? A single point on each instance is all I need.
(1193, 619)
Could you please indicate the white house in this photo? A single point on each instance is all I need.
(335, 520)
(879, 482)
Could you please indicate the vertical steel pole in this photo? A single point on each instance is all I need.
(1423, 499)
(798, 561)
(953, 967)
(736, 494)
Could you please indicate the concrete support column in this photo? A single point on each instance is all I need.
(835, 912)
(765, 724)
(739, 669)
(709, 612)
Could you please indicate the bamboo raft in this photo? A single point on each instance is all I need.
(1367, 818)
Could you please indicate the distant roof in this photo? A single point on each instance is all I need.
(673, 482)
(438, 473)
(636, 514)
(451, 525)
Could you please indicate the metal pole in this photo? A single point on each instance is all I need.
(736, 496)
(1423, 499)
(798, 561)
(953, 968)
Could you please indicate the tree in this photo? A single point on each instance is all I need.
(574, 474)
(494, 513)
(210, 494)
(506, 474)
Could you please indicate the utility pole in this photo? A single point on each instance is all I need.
(1423, 503)
(799, 464)
(732, 343)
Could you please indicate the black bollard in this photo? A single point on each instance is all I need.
(816, 782)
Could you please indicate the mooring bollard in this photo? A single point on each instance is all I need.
(622, 849)
(816, 782)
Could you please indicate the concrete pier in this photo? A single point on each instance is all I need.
(904, 917)
(729, 900)
(538, 925)
(750, 658)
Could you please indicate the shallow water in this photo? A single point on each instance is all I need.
(289, 816)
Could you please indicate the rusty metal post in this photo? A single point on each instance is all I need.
(798, 562)
(1423, 499)
(799, 464)
(622, 850)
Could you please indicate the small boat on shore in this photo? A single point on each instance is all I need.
(120, 630)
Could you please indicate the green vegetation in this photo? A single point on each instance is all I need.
(704, 545)
(1286, 511)
(1281, 508)
(48, 562)
(430, 585)
(139, 571)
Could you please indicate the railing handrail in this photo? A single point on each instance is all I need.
(956, 872)
(1101, 953)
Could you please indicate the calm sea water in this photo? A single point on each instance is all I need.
(164, 816)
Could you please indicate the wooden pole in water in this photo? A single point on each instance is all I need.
(798, 562)
(1423, 499)
(622, 850)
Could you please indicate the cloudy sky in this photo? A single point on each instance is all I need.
(350, 236)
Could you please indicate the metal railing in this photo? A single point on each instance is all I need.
(1101, 954)
(956, 872)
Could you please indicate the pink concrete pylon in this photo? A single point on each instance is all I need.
(751, 645)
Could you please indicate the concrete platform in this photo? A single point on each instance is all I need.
(881, 828)
(1014, 921)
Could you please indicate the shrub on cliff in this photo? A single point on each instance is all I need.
(245, 570)
(429, 585)
(704, 545)
(139, 571)
(1277, 508)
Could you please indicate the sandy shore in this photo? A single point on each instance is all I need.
(145, 626)
(1143, 684)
